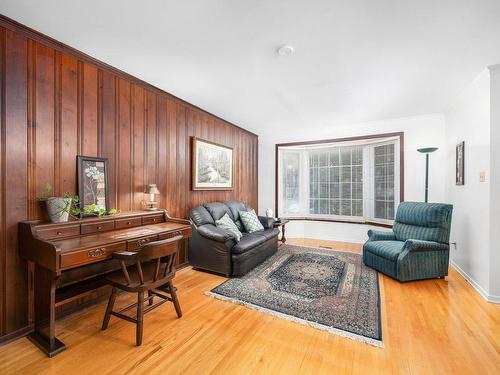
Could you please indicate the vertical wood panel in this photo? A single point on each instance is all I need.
(55, 105)
(138, 111)
(123, 148)
(69, 123)
(109, 133)
(15, 171)
(89, 113)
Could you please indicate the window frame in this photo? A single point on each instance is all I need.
(375, 137)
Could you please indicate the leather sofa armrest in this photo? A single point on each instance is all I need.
(378, 235)
(420, 245)
(213, 233)
(267, 222)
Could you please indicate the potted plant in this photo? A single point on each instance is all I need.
(58, 208)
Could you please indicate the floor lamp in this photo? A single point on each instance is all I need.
(427, 151)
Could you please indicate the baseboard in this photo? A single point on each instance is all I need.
(16, 335)
(483, 293)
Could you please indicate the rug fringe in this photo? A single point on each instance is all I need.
(335, 331)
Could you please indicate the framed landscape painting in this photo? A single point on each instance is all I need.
(212, 167)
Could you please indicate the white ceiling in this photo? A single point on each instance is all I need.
(354, 61)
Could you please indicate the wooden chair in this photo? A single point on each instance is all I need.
(151, 269)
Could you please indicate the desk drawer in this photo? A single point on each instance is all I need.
(96, 254)
(128, 223)
(98, 227)
(185, 233)
(153, 219)
(59, 232)
(140, 242)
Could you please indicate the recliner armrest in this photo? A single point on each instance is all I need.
(267, 222)
(212, 232)
(378, 235)
(420, 245)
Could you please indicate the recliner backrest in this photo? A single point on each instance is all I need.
(423, 221)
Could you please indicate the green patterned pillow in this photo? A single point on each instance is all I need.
(225, 222)
(250, 221)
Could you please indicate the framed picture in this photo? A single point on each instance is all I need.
(460, 160)
(93, 182)
(212, 166)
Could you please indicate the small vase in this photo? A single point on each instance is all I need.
(269, 212)
(58, 209)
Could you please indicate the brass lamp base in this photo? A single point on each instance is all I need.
(150, 206)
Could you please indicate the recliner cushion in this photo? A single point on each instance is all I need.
(217, 210)
(386, 249)
(248, 241)
(200, 216)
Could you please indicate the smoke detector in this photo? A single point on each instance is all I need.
(285, 50)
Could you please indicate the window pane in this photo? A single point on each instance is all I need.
(384, 181)
(290, 182)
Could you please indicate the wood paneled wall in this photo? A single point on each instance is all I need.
(57, 103)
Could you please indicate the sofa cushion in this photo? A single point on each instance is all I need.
(248, 241)
(250, 221)
(235, 207)
(386, 249)
(217, 210)
(225, 222)
(268, 233)
(200, 216)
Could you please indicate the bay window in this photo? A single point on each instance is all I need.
(351, 180)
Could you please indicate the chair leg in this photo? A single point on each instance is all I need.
(151, 296)
(109, 309)
(175, 300)
(140, 318)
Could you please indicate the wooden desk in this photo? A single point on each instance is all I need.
(72, 258)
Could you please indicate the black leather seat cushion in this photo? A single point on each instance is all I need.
(248, 242)
(268, 233)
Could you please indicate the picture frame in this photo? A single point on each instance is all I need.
(460, 163)
(93, 182)
(212, 166)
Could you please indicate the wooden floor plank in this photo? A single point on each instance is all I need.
(429, 327)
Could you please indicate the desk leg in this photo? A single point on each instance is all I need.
(45, 315)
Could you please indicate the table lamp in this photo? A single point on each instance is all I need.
(152, 204)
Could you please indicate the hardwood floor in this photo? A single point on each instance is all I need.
(428, 327)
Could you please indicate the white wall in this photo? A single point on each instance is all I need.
(468, 119)
(421, 131)
(495, 183)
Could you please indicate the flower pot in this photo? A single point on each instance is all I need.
(58, 209)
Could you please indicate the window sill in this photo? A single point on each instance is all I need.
(373, 223)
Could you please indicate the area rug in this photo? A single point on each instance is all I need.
(329, 290)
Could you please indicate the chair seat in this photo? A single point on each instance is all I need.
(386, 249)
(117, 278)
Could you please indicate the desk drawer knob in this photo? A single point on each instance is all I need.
(94, 253)
(99, 227)
(129, 222)
(154, 220)
(59, 233)
(177, 233)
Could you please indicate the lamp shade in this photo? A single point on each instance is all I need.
(152, 189)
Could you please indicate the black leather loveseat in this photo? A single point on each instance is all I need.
(214, 249)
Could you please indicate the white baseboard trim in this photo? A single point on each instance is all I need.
(483, 293)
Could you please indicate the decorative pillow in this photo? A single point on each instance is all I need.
(250, 221)
(225, 222)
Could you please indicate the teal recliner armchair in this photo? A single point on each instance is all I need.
(418, 246)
